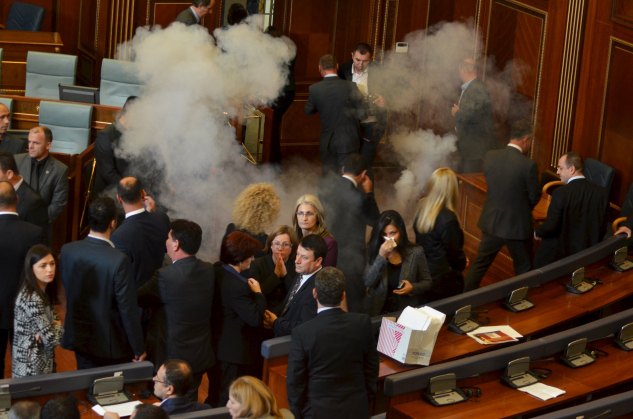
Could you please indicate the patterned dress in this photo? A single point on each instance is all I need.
(32, 317)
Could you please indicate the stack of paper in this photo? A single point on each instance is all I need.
(493, 335)
(123, 409)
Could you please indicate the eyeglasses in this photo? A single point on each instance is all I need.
(283, 245)
(156, 380)
(305, 214)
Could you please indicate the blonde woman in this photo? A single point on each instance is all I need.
(438, 231)
(255, 209)
(309, 218)
(249, 398)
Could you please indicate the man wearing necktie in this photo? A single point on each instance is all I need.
(299, 305)
(43, 172)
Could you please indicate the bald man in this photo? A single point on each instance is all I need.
(7, 142)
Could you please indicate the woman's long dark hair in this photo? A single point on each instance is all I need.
(389, 217)
(29, 280)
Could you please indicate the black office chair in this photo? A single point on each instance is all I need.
(24, 17)
(599, 173)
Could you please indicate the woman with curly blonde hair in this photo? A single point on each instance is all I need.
(309, 218)
(255, 209)
(249, 397)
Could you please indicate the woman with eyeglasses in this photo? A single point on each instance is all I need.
(397, 275)
(309, 218)
(438, 231)
(37, 329)
(275, 271)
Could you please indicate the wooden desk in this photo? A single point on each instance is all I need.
(498, 400)
(15, 45)
(554, 307)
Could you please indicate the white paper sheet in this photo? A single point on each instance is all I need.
(542, 391)
(419, 318)
(123, 409)
(493, 335)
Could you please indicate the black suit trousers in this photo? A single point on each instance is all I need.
(520, 250)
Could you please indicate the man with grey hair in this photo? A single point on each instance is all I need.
(333, 363)
(576, 215)
(194, 14)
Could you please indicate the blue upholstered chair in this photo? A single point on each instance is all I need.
(24, 17)
(70, 124)
(119, 80)
(45, 71)
(599, 173)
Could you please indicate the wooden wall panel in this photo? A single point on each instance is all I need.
(163, 12)
(616, 136)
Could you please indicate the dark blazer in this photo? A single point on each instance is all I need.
(31, 206)
(345, 72)
(413, 268)
(183, 291)
(444, 250)
(186, 17)
(53, 187)
(273, 287)
(241, 313)
(513, 190)
(142, 238)
(340, 106)
(17, 237)
(302, 308)
(13, 145)
(181, 404)
(474, 122)
(575, 220)
(110, 169)
(102, 315)
(332, 366)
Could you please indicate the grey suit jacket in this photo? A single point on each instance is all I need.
(53, 186)
(340, 106)
(186, 17)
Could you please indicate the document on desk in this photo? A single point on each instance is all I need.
(123, 409)
(494, 335)
(542, 391)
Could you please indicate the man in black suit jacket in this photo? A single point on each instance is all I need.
(31, 207)
(182, 293)
(7, 142)
(351, 207)
(142, 234)
(506, 219)
(473, 119)
(299, 306)
(333, 363)
(17, 238)
(194, 14)
(576, 215)
(172, 383)
(103, 323)
(359, 70)
(43, 172)
(340, 106)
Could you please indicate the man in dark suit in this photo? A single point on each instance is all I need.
(103, 323)
(351, 207)
(340, 106)
(299, 306)
(110, 168)
(31, 207)
(194, 14)
(172, 382)
(333, 363)
(474, 122)
(43, 172)
(359, 70)
(576, 215)
(17, 238)
(506, 219)
(182, 294)
(142, 234)
(8, 143)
